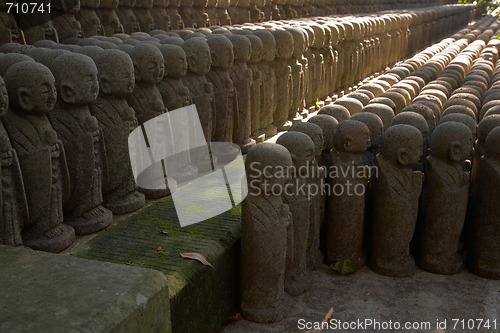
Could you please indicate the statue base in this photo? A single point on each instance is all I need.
(127, 204)
(92, 221)
(54, 240)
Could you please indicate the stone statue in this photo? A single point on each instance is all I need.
(254, 63)
(385, 113)
(283, 72)
(142, 11)
(376, 127)
(109, 20)
(125, 12)
(484, 256)
(314, 256)
(337, 111)
(418, 121)
(346, 222)
(63, 18)
(32, 94)
(297, 91)
(269, 83)
(89, 21)
(173, 91)
(226, 106)
(160, 15)
(77, 87)
(9, 29)
(396, 194)
(301, 148)
(147, 102)
(242, 78)
(201, 91)
(173, 12)
(328, 125)
(445, 196)
(265, 219)
(13, 205)
(117, 119)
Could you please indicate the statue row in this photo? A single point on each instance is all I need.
(350, 181)
(66, 19)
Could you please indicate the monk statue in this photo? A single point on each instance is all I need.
(283, 72)
(32, 94)
(89, 21)
(265, 220)
(125, 12)
(396, 195)
(172, 89)
(348, 183)
(110, 22)
(301, 148)
(116, 120)
(13, 205)
(64, 20)
(77, 87)
(445, 196)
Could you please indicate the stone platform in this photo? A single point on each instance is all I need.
(200, 296)
(49, 293)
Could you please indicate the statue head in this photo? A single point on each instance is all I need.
(76, 78)
(31, 87)
(351, 136)
(301, 148)
(485, 126)
(284, 44)
(256, 49)
(328, 125)
(425, 111)
(492, 145)
(9, 59)
(115, 73)
(337, 111)
(197, 55)
(461, 118)
(416, 120)
(384, 112)
(242, 47)
(267, 165)
(374, 124)
(148, 63)
(268, 43)
(175, 60)
(221, 51)
(314, 132)
(451, 141)
(402, 145)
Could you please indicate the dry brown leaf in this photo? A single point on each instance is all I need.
(329, 315)
(196, 256)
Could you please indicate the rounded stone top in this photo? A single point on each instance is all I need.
(413, 119)
(402, 145)
(374, 88)
(175, 60)
(337, 111)
(90, 50)
(268, 42)
(486, 107)
(468, 97)
(374, 124)
(445, 88)
(315, 133)
(115, 72)
(492, 110)
(143, 55)
(9, 59)
(353, 105)
(384, 84)
(389, 78)
(398, 99)
(451, 141)
(402, 91)
(451, 80)
(35, 78)
(284, 44)
(300, 146)
(328, 125)
(363, 98)
(460, 102)
(480, 86)
(461, 118)
(436, 93)
(492, 144)
(410, 90)
(486, 125)
(425, 111)
(384, 112)
(266, 155)
(351, 136)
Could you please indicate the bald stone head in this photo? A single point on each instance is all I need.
(416, 120)
(314, 132)
(221, 51)
(148, 64)
(198, 55)
(175, 61)
(115, 72)
(425, 111)
(301, 148)
(451, 141)
(374, 124)
(337, 111)
(461, 118)
(384, 112)
(328, 125)
(402, 145)
(351, 136)
(492, 144)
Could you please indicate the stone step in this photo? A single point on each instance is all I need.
(48, 293)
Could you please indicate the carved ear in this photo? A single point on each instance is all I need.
(215, 59)
(67, 93)
(347, 143)
(24, 99)
(455, 151)
(403, 156)
(192, 63)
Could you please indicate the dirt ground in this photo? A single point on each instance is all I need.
(368, 302)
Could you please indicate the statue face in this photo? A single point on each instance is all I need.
(4, 98)
(319, 142)
(225, 57)
(43, 93)
(151, 68)
(123, 82)
(201, 62)
(176, 65)
(86, 87)
(359, 143)
(304, 159)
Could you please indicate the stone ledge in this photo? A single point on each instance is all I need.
(200, 297)
(51, 293)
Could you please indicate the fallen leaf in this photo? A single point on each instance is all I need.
(159, 249)
(328, 316)
(367, 293)
(196, 256)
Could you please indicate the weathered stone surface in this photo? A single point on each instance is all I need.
(72, 294)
